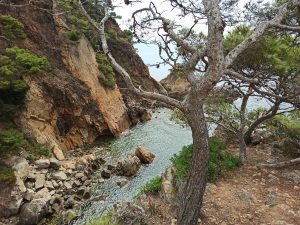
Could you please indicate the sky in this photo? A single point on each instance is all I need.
(149, 53)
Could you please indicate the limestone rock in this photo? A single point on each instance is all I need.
(129, 213)
(42, 163)
(60, 175)
(39, 181)
(33, 212)
(21, 167)
(144, 155)
(128, 166)
(54, 163)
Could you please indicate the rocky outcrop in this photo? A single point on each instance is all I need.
(144, 155)
(128, 166)
(176, 86)
(68, 107)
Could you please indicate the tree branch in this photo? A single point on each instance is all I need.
(150, 95)
(259, 31)
(241, 77)
(286, 27)
(279, 165)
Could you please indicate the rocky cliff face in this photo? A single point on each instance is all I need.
(68, 107)
(176, 86)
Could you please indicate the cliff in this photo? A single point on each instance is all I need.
(68, 106)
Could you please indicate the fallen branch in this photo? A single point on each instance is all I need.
(279, 165)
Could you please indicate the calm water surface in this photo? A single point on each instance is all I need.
(161, 136)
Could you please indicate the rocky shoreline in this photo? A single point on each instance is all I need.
(47, 186)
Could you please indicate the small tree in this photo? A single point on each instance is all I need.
(274, 62)
(214, 64)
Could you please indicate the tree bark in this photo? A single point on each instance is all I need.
(191, 195)
(243, 148)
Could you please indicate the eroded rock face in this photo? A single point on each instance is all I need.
(68, 107)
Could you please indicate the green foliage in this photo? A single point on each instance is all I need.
(24, 62)
(106, 76)
(7, 175)
(273, 53)
(115, 16)
(178, 116)
(12, 140)
(286, 125)
(14, 64)
(105, 219)
(11, 28)
(221, 159)
(128, 34)
(152, 186)
(74, 35)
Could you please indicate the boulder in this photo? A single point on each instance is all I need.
(122, 182)
(54, 163)
(21, 167)
(60, 175)
(33, 212)
(128, 166)
(128, 213)
(105, 174)
(144, 155)
(42, 163)
(39, 181)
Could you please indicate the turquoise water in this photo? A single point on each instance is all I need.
(161, 136)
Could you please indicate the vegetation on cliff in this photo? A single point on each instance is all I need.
(11, 28)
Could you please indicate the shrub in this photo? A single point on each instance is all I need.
(220, 160)
(7, 175)
(106, 76)
(74, 35)
(152, 186)
(10, 142)
(12, 28)
(25, 62)
(15, 63)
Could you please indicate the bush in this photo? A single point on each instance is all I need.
(106, 76)
(74, 35)
(220, 160)
(12, 140)
(152, 186)
(14, 64)
(7, 175)
(12, 28)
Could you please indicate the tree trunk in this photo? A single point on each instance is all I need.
(191, 195)
(243, 148)
(255, 124)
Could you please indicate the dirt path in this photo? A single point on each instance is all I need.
(245, 196)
